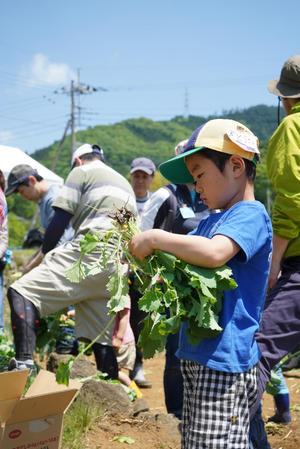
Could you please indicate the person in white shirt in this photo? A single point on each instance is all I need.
(142, 172)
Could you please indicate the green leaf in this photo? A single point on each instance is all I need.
(89, 243)
(196, 334)
(94, 269)
(118, 288)
(198, 285)
(151, 301)
(197, 311)
(205, 275)
(167, 276)
(166, 260)
(170, 296)
(76, 273)
(117, 303)
(63, 372)
(170, 325)
(226, 284)
(223, 272)
(150, 339)
(124, 439)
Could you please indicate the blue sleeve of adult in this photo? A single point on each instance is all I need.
(56, 228)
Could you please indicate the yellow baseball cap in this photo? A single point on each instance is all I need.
(223, 135)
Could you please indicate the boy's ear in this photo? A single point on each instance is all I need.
(237, 164)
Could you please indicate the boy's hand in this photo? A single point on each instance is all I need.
(141, 245)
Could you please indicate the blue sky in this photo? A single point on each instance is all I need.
(157, 59)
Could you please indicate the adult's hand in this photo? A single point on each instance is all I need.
(117, 343)
(280, 245)
(274, 273)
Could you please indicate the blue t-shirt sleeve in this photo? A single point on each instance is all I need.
(246, 224)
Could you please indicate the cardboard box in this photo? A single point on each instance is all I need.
(34, 421)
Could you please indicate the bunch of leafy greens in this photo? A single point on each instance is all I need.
(172, 291)
(273, 386)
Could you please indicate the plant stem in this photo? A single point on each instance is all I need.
(95, 339)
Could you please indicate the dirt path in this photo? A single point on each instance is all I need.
(148, 435)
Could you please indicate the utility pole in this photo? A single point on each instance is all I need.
(72, 118)
(76, 89)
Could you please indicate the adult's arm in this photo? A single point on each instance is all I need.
(35, 260)
(56, 228)
(279, 248)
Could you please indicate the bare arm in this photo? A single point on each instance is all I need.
(35, 260)
(196, 250)
(279, 248)
(120, 332)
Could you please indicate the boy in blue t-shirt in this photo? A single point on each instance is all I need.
(220, 373)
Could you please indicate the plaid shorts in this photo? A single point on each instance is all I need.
(216, 407)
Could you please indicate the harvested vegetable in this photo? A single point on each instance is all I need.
(173, 291)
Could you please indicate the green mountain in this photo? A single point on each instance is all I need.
(155, 139)
(131, 138)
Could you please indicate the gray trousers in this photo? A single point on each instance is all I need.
(279, 332)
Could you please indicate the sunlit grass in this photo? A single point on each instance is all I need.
(77, 422)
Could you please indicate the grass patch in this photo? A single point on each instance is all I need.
(77, 422)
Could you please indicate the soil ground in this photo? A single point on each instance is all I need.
(147, 434)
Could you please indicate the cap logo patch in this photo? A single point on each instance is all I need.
(244, 140)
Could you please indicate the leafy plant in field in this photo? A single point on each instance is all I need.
(173, 291)
(6, 351)
(47, 334)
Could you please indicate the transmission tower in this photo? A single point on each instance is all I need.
(186, 104)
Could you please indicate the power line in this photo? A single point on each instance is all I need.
(43, 124)
(24, 81)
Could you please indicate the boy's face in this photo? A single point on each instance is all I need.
(218, 190)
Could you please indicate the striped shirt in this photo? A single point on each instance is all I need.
(91, 192)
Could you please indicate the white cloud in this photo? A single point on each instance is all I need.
(6, 136)
(43, 71)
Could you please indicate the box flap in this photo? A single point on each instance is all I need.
(45, 382)
(12, 384)
(51, 404)
(6, 409)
